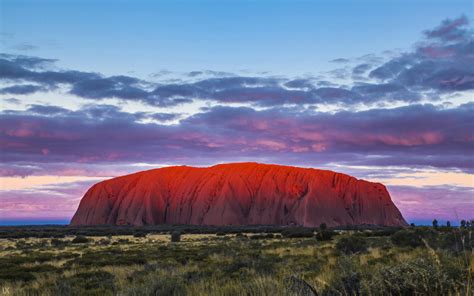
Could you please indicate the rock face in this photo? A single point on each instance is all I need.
(237, 194)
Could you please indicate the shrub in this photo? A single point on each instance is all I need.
(351, 244)
(158, 284)
(11, 270)
(269, 235)
(109, 257)
(325, 235)
(57, 242)
(406, 238)
(80, 239)
(139, 234)
(169, 286)
(175, 236)
(104, 242)
(236, 268)
(297, 286)
(87, 283)
(240, 235)
(20, 245)
(346, 279)
(419, 276)
(262, 236)
(297, 232)
(381, 232)
(456, 241)
(17, 275)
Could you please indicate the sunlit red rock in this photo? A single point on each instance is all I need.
(237, 194)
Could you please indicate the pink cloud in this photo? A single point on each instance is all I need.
(54, 201)
(436, 52)
(271, 144)
(427, 203)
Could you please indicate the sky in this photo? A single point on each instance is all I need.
(381, 90)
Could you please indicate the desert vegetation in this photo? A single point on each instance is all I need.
(254, 260)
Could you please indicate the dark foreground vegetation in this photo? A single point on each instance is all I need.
(61, 231)
(253, 260)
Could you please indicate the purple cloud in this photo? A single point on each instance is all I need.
(441, 62)
(48, 201)
(449, 30)
(433, 202)
(417, 135)
(21, 89)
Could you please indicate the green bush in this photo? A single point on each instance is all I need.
(236, 268)
(407, 238)
(100, 283)
(297, 286)
(419, 276)
(382, 232)
(351, 244)
(346, 279)
(241, 236)
(15, 271)
(295, 232)
(457, 241)
(16, 275)
(175, 236)
(58, 242)
(109, 257)
(80, 239)
(104, 242)
(139, 234)
(325, 235)
(158, 285)
(262, 236)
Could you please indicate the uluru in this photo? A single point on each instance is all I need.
(237, 194)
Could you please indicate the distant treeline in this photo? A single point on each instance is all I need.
(59, 231)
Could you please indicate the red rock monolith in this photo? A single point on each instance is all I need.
(237, 194)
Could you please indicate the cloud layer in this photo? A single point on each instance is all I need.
(437, 65)
(103, 134)
(390, 111)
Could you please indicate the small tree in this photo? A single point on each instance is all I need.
(412, 225)
(351, 244)
(323, 226)
(463, 223)
(435, 223)
(448, 224)
(470, 223)
(175, 236)
(406, 238)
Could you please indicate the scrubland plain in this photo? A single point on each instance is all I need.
(235, 261)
